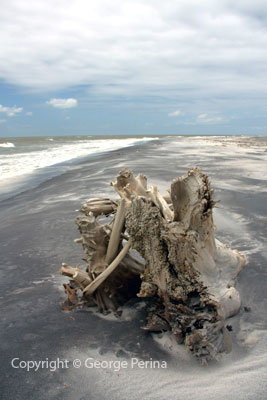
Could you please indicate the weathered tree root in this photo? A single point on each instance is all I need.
(188, 273)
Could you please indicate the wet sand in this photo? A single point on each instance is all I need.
(36, 236)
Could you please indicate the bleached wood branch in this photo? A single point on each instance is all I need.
(115, 236)
(160, 202)
(102, 277)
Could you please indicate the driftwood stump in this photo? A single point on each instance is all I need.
(188, 273)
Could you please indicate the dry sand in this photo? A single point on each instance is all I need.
(37, 229)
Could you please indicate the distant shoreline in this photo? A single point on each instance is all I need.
(8, 138)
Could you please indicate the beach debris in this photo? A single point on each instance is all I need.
(162, 248)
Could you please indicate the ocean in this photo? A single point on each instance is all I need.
(26, 162)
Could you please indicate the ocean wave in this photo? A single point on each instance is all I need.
(14, 165)
(7, 144)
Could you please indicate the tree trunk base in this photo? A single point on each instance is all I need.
(188, 273)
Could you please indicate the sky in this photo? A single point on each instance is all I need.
(96, 67)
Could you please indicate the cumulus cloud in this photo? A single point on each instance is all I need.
(29, 113)
(2, 121)
(206, 119)
(177, 113)
(10, 111)
(63, 103)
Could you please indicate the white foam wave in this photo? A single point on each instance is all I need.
(14, 165)
(7, 144)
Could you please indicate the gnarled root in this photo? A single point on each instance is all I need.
(189, 274)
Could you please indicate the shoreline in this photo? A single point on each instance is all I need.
(18, 184)
(174, 135)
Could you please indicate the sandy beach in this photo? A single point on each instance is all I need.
(36, 235)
